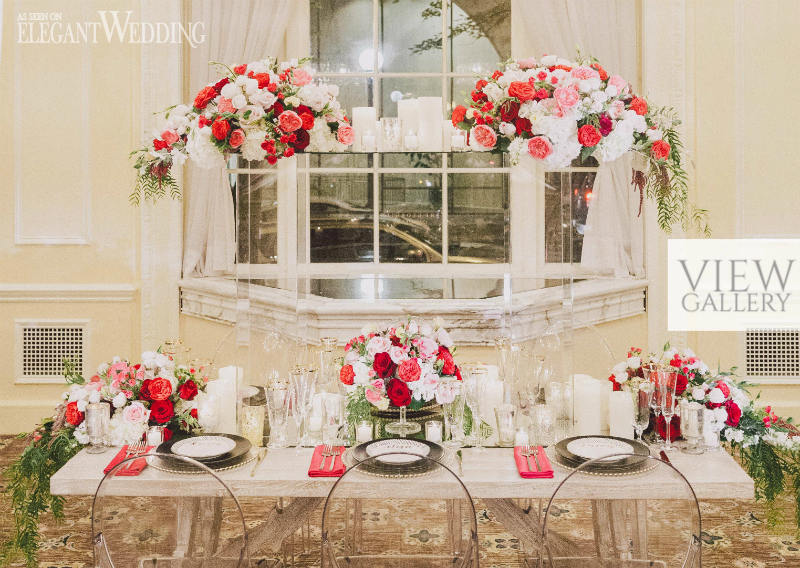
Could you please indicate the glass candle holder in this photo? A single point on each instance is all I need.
(251, 422)
(506, 422)
(433, 431)
(692, 427)
(363, 431)
(98, 418)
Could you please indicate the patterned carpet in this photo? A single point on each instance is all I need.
(734, 533)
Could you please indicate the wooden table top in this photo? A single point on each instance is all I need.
(490, 474)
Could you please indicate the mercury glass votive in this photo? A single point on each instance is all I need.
(98, 418)
(692, 423)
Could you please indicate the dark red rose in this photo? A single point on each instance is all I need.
(205, 96)
(522, 125)
(220, 129)
(161, 411)
(449, 366)
(509, 111)
(193, 413)
(188, 390)
(302, 140)
(680, 385)
(605, 124)
(395, 341)
(458, 114)
(383, 365)
(617, 386)
(74, 416)
(674, 428)
(734, 413)
(144, 390)
(347, 375)
(398, 392)
(221, 83)
(588, 135)
(167, 434)
(277, 108)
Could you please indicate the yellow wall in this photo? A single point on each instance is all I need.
(69, 118)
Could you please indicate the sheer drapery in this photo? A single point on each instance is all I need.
(607, 30)
(246, 31)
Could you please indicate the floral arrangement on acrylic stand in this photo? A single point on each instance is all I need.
(768, 446)
(152, 392)
(262, 110)
(407, 365)
(556, 111)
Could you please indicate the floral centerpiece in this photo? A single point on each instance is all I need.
(152, 392)
(262, 110)
(556, 110)
(767, 445)
(402, 366)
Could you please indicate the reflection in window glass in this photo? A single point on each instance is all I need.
(341, 31)
(566, 202)
(411, 34)
(411, 217)
(480, 36)
(340, 222)
(478, 218)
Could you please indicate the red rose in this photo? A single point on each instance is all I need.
(193, 413)
(674, 428)
(159, 389)
(458, 374)
(308, 120)
(509, 111)
(539, 147)
(680, 384)
(289, 152)
(289, 121)
(444, 355)
(240, 69)
(346, 374)
(459, 113)
(522, 125)
(616, 385)
(161, 411)
(237, 138)
(638, 105)
(660, 150)
(383, 365)
(220, 129)
(409, 371)
(724, 388)
(398, 392)
(188, 390)
(302, 140)
(205, 96)
(597, 67)
(734, 413)
(522, 90)
(588, 135)
(481, 84)
(484, 136)
(606, 124)
(74, 416)
(221, 83)
(159, 144)
(144, 390)
(167, 434)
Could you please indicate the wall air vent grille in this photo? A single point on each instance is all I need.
(773, 353)
(43, 348)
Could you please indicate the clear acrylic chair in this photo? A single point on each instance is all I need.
(423, 521)
(187, 520)
(651, 518)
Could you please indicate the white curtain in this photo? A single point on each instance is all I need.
(607, 30)
(236, 32)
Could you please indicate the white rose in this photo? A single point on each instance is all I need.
(508, 129)
(239, 101)
(634, 362)
(230, 90)
(293, 101)
(699, 393)
(444, 338)
(361, 373)
(620, 372)
(81, 434)
(250, 86)
(470, 113)
(494, 92)
(716, 396)
(119, 400)
(654, 134)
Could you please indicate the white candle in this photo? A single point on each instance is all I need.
(224, 390)
(363, 123)
(447, 135)
(430, 120)
(458, 141)
(589, 418)
(620, 414)
(606, 389)
(363, 432)
(368, 142)
(408, 113)
(433, 431)
(410, 142)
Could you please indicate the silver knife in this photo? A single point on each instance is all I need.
(536, 459)
(262, 453)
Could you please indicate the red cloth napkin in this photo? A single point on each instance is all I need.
(317, 461)
(134, 467)
(522, 464)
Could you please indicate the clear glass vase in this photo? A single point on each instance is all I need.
(403, 427)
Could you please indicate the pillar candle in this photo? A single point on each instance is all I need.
(606, 389)
(620, 414)
(589, 418)
(363, 122)
(447, 135)
(408, 113)
(224, 390)
(430, 120)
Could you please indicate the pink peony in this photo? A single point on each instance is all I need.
(374, 397)
(409, 371)
(427, 347)
(345, 134)
(136, 413)
(289, 121)
(583, 72)
(566, 97)
(301, 77)
(237, 138)
(169, 136)
(539, 147)
(484, 136)
(618, 82)
(224, 105)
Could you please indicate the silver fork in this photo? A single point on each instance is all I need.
(133, 451)
(536, 459)
(526, 451)
(327, 452)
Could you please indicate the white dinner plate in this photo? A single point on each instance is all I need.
(382, 447)
(594, 448)
(203, 447)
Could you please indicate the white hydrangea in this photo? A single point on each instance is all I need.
(616, 144)
(698, 393)
(81, 434)
(119, 400)
(716, 396)
(494, 92)
(251, 149)
(230, 90)
(122, 432)
(202, 150)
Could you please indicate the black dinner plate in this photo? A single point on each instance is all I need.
(573, 460)
(359, 454)
(228, 459)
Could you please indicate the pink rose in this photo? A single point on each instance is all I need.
(427, 347)
(618, 82)
(301, 77)
(289, 121)
(585, 73)
(616, 109)
(136, 413)
(224, 105)
(529, 63)
(398, 354)
(345, 134)
(539, 147)
(566, 97)
(484, 136)
(378, 344)
(374, 397)
(409, 371)
(237, 138)
(169, 136)
(378, 384)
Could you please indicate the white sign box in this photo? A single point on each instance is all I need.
(733, 284)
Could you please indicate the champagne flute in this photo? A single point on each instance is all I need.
(642, 398)
(655, 407)
(669, 381)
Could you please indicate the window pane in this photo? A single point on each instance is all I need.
(340, 227)
(567, 198)
(477, 218)
(411, 36)
(395, 88)
(477, 160)
(341, 30)
(257, 207)
(411, 160)
(480, 35)
(344, 160)
(411, 218)
(353, 92)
